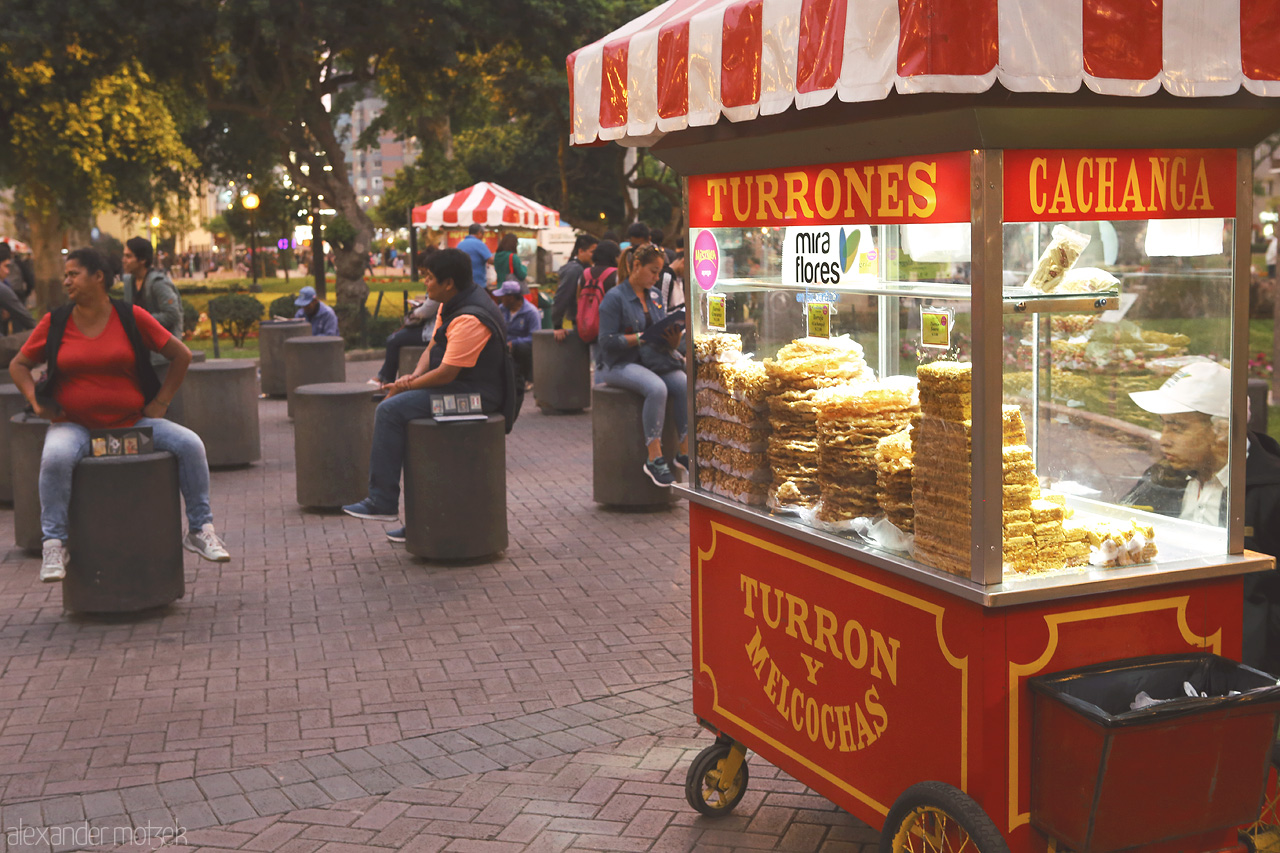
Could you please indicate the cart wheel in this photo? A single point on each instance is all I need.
(703, 786)
(937, 818)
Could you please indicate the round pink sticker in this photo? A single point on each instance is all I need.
(706, 260)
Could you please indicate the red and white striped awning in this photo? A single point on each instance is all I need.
(688, 62)
(16, 246)
(486, 204)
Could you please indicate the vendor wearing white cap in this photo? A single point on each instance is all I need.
(1191, 482)
(1195, 406)
(312, 308)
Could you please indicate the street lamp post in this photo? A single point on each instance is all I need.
(250, 202)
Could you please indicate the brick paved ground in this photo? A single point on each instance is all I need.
(325, 691)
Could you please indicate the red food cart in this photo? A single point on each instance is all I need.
(1053, 201)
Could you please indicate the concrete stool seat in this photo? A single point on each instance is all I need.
(618, 451)
(312, 360)
(26, 445)
(177, 411)
(126, 534)
(271, 337)
(9, 347)
(455, 488)
(11, 403)
(409, 356)
(222, 408)
(561, 372)
(332, 437)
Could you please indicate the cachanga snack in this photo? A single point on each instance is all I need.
(1059, 256)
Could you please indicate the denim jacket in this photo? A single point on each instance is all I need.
(522, 324)
(622, 314)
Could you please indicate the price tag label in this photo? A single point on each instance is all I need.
(818, 319)
(935, 327)
(716, 312)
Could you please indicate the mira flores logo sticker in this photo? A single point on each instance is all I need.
(828, 255)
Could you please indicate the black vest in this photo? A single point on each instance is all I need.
(487, 377)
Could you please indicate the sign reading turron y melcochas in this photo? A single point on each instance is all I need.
(1053, 186)
(826, 667)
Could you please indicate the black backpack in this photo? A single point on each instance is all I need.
(147, 377)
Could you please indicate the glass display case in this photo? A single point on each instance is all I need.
(837, 348)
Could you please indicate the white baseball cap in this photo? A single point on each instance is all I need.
(1202, 386)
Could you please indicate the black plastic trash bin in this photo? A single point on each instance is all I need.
(1107, 778)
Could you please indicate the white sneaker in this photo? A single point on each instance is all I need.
(53, 567)
(207, 544)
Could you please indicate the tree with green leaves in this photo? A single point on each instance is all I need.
(82, 135)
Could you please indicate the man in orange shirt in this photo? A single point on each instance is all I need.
(467, 354)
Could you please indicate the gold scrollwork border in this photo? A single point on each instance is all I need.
(1018, 671)
(935, 610)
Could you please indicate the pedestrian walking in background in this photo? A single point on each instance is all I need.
(150, 288)
(507, 263)
(474, 248)
(564, 308)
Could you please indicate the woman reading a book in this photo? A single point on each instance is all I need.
(647, 364)
(100, 377)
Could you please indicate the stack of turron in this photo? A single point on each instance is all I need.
(732, 420)
(1039, 531)
(895, 463)
(801, 370)
(852, 420)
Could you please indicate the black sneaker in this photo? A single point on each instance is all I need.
(658, 471)
(396, 534)
(682, 462)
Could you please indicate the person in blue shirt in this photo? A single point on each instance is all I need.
(477, 251)
(521, 319)
(312, 309)
(652, 370)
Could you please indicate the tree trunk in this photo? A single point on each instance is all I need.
(46, 251)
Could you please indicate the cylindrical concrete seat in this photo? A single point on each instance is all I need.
(561, 372)
(271, 337)
(332, 437)
(11, 403)
(222, 408)
(26, 444)
(455, 488)
(125, 534)
(312, 360)
(618, 450)
(409, 356)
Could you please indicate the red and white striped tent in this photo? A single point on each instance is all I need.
(688, 62)
(16, 245)
(486, 204)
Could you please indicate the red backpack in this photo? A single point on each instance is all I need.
(590, 294)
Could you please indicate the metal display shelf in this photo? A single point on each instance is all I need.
(1016, 300)
(1026, 589)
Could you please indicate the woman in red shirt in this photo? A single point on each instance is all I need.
(96, 385)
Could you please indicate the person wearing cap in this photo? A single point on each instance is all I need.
(1194, 406)
(312, 309)
(522, 320)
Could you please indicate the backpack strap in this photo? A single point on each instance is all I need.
(147, 378)
(53, 341)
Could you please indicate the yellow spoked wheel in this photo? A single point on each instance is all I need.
(707, 786)
(1264, 835)
(933, 817)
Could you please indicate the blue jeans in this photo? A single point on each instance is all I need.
(396, 341)
(66, 444)
(390, 427)
(655, 389)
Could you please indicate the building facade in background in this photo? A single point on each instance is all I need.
(372, 170)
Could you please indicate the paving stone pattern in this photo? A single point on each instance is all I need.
(326, 691)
